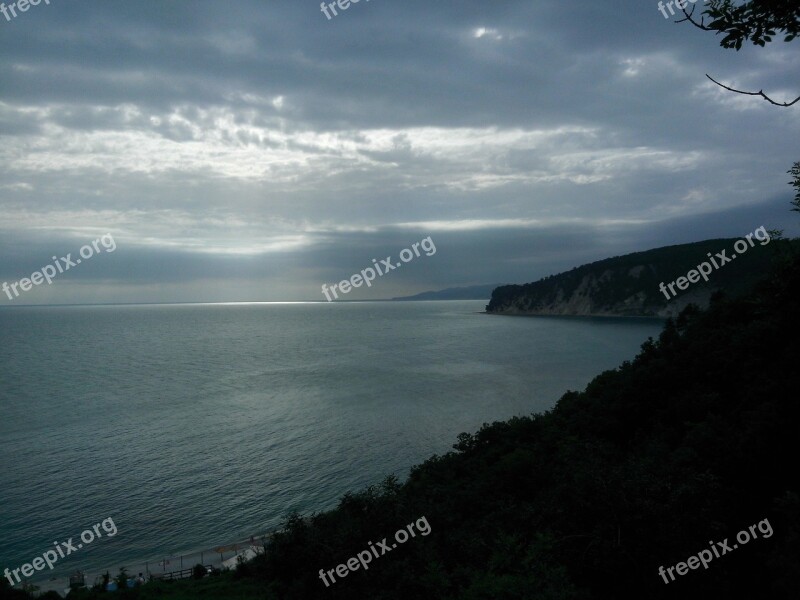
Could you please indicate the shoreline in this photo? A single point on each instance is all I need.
(566, 316)
(158, 567)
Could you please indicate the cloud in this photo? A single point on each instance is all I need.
(260, 149)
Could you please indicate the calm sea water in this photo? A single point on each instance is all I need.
(192, 425)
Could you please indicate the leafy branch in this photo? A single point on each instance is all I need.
(757, 21)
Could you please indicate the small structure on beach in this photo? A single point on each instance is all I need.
(77, 580)
(244, 555)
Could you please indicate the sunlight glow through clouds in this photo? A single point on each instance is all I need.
(479, 224)
(487, 32)
(237, 145)
(241, 145)
(632, 66)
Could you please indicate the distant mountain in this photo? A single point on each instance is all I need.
(473, 292)
(629, 285)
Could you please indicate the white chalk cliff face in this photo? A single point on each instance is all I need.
(587, 298)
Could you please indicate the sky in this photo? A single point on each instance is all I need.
(253, 150)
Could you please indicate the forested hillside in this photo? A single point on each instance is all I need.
(629, 285)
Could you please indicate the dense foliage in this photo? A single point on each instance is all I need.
(757, 21)
(795, 183)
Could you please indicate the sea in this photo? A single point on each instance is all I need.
(192, 426)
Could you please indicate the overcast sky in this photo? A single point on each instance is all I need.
(252, 150)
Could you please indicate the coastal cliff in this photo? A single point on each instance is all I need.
(629, 285)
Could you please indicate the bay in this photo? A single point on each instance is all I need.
(192, 425)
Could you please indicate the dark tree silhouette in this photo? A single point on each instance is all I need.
(757, 21)
(795, 183)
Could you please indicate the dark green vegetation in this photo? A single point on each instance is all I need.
(692, 441)
(795, 183)
(757, 21)
(629, 285)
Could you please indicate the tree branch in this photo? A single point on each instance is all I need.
(701, 25)
(758, 93)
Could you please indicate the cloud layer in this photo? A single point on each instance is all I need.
(253, 151)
